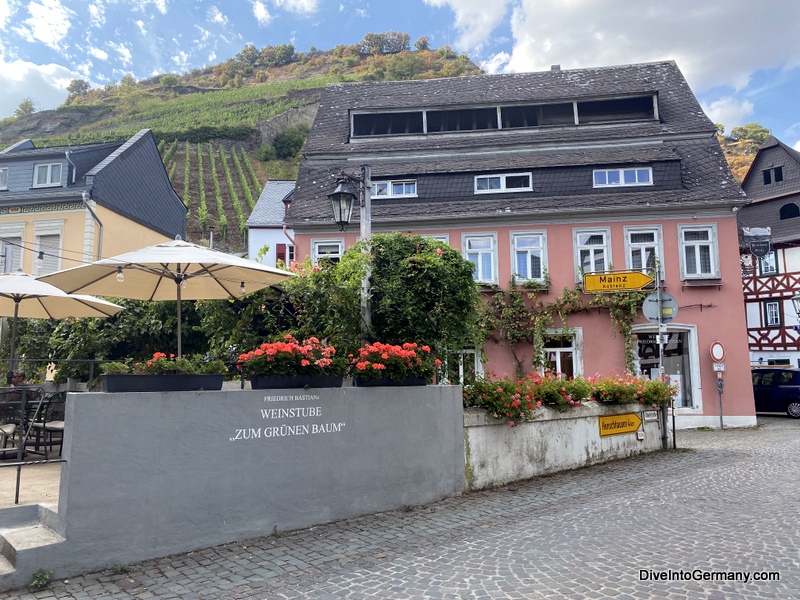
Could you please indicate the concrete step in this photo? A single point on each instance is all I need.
(5, 566)
(19, 540)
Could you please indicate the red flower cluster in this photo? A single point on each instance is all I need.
(290, 357)
(379, 360)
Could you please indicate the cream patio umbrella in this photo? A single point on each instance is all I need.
(24, 296)
(175, 270)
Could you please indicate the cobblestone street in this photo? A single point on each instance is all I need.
(725, 504)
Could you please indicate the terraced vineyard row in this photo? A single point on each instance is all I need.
(220, 185)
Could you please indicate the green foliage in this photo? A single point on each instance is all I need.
(265, 153)
(385, 43)
(421, 291)
(41, 578)
(202, 209)
(244, 184)
(236, 202)
(257, 185)
(187, 174)
(169, 80)
(751, 131)
(77, 87)
(222, 219)
(518, 398)
(163, 364)
(289, 143)
(25, 108)
(171, 149)
(422, 44)
(290, 357)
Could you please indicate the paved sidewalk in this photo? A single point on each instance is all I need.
(725, 504)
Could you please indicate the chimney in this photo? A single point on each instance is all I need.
(555, 67)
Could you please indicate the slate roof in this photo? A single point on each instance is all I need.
(683, 137)
(679, 110)
(270, 207)
(133, 182)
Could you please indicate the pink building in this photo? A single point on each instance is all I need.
(543, 177)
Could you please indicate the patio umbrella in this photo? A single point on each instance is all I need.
(173, 270)
(22, 295)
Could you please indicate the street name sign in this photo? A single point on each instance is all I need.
(617, 424)
(615, 281)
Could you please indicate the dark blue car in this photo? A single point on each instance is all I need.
(777, 389)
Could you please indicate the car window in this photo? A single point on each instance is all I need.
(756, 378)
(767, 377)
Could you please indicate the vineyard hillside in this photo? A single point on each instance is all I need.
(217, 127)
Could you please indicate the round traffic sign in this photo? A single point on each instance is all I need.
(717, 352)
(662, 311)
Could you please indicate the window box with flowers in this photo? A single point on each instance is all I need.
(292, 364)
(163, 373)
(386, 364)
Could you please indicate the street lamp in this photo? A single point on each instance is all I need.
(796, 304)
(348, 187)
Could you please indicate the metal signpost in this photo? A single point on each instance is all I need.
(718, 356)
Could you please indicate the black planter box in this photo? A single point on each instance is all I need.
(277, 382)
(385, 381)
(160, 383)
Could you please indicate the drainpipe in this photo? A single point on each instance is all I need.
(86, 196)
(290, 238)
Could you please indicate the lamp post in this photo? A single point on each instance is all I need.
(348, 187)
(796, 304)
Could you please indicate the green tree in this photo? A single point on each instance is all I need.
(289, 143)
(77, 87)
(422, 44)
(751, 131)
(385, 43)
(169, 80)
(248, 55)
(25, 108)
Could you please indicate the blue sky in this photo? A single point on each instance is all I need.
(740, 57)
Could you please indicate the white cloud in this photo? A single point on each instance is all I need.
(98, 53)
(362, 12)
(7, 8)
(212, 57)
(48, 23)
(475, 19)
(142, 28)
(46, 85)
(215, 16)
(706, 39)
(496, 63)
(261, 13)
(729, 111)
(143, 5)
(125, 55)
(298, 6)
(97, 14)
(181, 60)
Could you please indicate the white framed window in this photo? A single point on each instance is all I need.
(529, 255)
(772, 313)
(507, 182)
(439, 237)
(699, 256)
(622, 177)
(592, 250)
(768, 265)
(326, 250)
(643, 247)
(481, 250)
(3, 178)
(563, 353)
(394, 189)
(47, 175)
(461, 367)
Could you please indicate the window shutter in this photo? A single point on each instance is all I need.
(280, 252)
(51, 246)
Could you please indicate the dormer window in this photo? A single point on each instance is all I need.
(394, 189)
(48, 175)
(3, 178)
(622, 177)
(770, 175)
(506, 182)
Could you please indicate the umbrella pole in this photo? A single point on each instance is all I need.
(179, 319)
(13, 342)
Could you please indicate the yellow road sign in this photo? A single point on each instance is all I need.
(615, 281)
(616, 424)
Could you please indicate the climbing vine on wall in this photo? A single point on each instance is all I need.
(523, 314)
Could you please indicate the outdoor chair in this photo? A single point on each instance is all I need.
(49, 426)
(19, 407)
